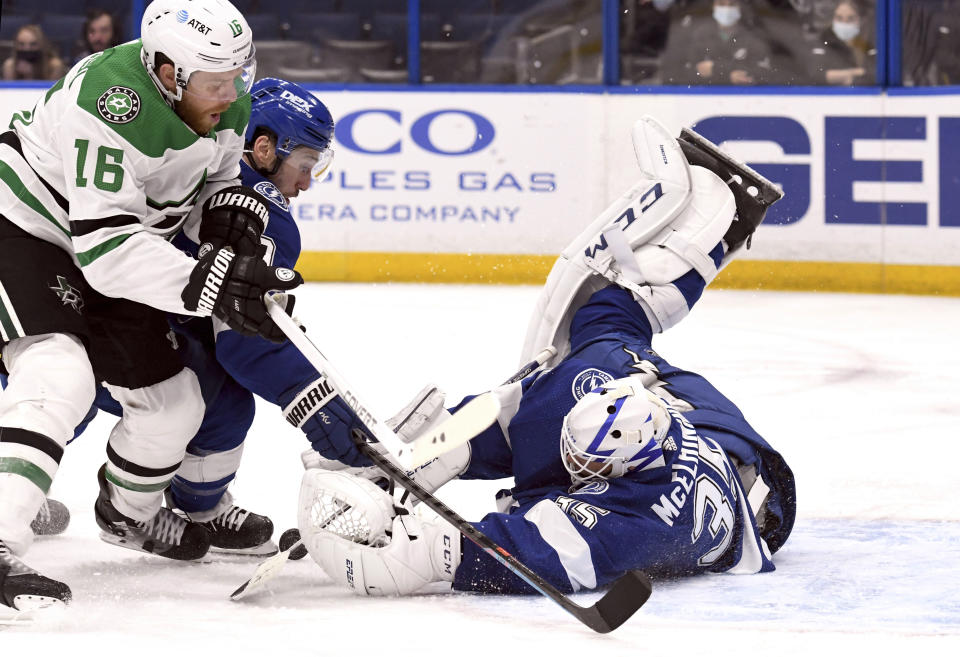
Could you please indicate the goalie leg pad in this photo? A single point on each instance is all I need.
(640, 252)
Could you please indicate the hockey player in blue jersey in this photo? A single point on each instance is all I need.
(289, 144)
(620, 460)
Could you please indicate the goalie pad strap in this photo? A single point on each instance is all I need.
(309, 401)
(690, 253)
(623, 255)
(663, 305)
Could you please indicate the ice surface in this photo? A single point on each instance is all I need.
(860, 393)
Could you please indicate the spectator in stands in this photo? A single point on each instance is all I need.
(725, 48)
(33, 57)
(843, 55)
(100, 31)
(644, 27)
(930, 33)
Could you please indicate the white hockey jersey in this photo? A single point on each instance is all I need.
(109, 173)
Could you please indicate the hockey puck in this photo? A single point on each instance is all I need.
(290, 537)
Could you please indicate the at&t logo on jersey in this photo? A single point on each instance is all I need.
(589, 379)
(271, 193)
(119, 105)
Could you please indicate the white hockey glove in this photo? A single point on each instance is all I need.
(355, 533)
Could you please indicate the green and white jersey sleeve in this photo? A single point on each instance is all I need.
(110, 173)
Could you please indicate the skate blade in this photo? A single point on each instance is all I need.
(120, 541)
(30, 609)
(267, 549)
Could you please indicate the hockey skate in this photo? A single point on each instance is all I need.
(52, 518)
(754, 194)
(241, 532)
(166, 534)
(24, 591)
(234, 530)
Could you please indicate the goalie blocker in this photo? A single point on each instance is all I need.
(691, 210)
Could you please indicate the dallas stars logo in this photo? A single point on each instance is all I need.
(68, 294)
(119, 105)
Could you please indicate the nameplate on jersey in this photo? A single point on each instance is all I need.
(272, 194)
(310, 400)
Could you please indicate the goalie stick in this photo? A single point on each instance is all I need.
(625, 596)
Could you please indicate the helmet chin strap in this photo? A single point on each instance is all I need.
(169, 97)
(263, 171)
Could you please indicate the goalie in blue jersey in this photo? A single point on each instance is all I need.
(620, 460)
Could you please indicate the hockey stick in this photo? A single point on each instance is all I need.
(450, 434)
(265, 572)
(463, 428)
(618, 604)
(546, 354)
(455, 430)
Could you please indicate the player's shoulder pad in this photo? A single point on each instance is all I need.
(115, 89)
(272, 194)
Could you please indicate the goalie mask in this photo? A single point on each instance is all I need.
(612, 430)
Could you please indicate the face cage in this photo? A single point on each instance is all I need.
(577, 466)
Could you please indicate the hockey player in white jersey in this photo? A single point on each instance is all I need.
(288, 145)
(109, 164)
(620, 460)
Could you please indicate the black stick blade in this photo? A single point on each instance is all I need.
(627, 594)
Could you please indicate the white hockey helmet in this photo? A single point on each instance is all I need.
(613, 429)
(198, 35)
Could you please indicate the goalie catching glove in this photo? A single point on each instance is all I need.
(355, 533)
(231, 287)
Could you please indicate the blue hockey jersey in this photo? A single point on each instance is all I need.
(275, 372)
(271, 371)
(685, 513)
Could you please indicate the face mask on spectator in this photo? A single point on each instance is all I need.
(662, 5)
(846, 31)
(726, 15)
(30, 56)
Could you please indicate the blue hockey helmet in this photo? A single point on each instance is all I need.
(295, 117)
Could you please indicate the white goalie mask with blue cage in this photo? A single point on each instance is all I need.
(612, 430)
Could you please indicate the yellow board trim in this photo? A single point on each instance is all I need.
(516, 269)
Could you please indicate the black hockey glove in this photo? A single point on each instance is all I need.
(231, 287)
(235, 217)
